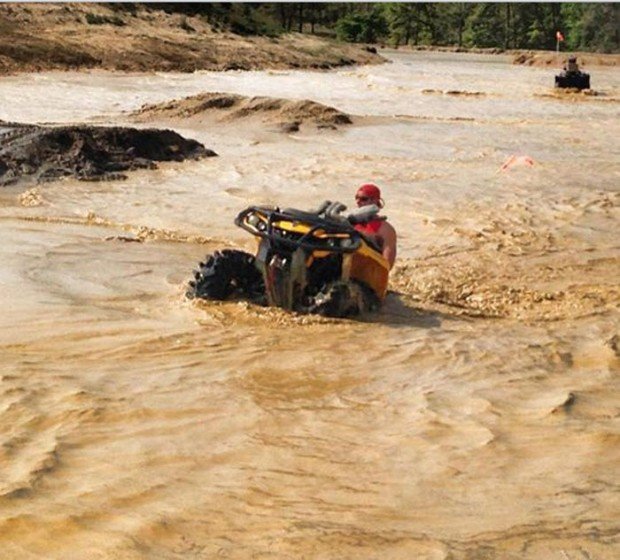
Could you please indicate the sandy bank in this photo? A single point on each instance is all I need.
(39, 37)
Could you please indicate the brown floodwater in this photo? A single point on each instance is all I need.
(474, 416)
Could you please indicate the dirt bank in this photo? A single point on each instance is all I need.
(551, 58)
(531, 57)
(38, 154)
(37, 37)
(288, 114)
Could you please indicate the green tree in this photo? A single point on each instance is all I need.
(362, 26)
(484, 26)
(455, 18)
(519, 25)
(546, 21)
(403, 22)
(593, 27)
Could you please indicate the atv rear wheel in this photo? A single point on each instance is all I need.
(343, 299)
(227, 273)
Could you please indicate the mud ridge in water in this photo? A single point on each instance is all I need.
(289, 114)
(426, 118)
(454, 92)
(31, 153)
(138, 234)
(574, 94)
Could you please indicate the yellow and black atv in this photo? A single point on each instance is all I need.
(307, 261)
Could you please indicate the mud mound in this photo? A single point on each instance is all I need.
(288, 113)
(38, 154)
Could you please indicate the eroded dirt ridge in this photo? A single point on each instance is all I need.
(44, 36)
(32, 153)
(288, 113)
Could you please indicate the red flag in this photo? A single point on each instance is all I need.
(559, 36)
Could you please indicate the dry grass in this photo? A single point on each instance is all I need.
(36, 37)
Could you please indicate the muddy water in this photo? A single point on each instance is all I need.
(475, 416)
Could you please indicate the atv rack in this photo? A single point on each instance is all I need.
(292, 228)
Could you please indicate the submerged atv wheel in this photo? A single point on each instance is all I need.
(226, 273)
(344, 299)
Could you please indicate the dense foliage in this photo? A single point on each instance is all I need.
(591, 27)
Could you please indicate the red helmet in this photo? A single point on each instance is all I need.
(371, 192)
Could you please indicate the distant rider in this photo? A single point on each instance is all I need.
(378, 228)
(571, 66)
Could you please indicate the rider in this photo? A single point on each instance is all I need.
(571, 66)
(378, 228)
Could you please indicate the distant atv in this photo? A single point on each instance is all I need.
(572, 77)
(309, 262)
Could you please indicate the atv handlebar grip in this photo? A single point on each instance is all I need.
(334, 211)
(324, 206)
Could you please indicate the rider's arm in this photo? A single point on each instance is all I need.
(388, 234)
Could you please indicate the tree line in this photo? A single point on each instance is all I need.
(591, 27)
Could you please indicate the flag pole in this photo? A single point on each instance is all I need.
(558, 39)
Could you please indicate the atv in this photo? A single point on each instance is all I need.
(571, 77)
(306, 261)
(576, 80)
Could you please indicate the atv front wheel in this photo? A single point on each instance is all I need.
(343, 299)
(227, 273)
